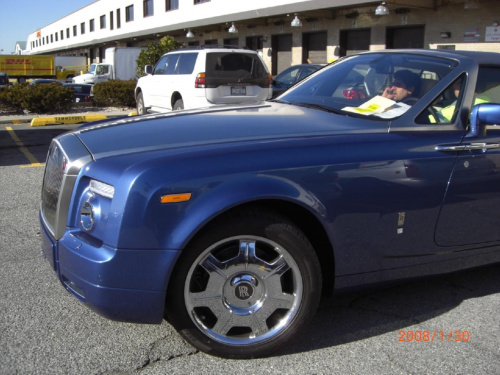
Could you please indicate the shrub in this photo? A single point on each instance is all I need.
(154, 51)
(115, 93)
(38, 98)
(47, 97)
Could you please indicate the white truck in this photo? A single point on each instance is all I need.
(119, 63)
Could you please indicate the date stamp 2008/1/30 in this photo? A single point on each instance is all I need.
(431, 336)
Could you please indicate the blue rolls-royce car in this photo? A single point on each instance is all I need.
(231, 222)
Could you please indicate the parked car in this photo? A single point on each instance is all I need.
(40, 81)
(4, 79)
(231, 222)
(292, 75)
(203, 76)
(82, 92)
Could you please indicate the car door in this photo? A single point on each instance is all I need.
(471, 209)
(151, 82)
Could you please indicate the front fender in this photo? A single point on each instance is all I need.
(173, 225)
(235, 192)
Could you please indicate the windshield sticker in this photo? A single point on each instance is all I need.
(379, 106)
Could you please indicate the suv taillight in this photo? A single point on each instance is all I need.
(270, 78)
(199, 82)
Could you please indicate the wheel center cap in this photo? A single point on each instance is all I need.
(243, 291)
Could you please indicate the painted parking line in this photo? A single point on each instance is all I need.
(33, 161)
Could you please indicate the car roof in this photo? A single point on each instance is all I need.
(77, 84)
(482, 58)
(213, 48)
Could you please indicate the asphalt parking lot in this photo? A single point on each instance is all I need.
(442, 325)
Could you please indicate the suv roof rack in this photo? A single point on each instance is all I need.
(208, 46)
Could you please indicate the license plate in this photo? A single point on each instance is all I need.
(238, 90)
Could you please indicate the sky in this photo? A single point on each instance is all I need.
(19, 18)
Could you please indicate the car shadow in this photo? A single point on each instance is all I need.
(357, 316)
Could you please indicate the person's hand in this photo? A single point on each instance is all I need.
(388, 93)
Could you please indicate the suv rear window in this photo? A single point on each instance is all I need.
(223, 68)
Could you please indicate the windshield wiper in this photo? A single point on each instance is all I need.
(316, 106)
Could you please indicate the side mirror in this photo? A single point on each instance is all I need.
(483, 115)
(148, 69)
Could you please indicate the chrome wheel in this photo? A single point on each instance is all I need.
(245, 286)
(243, 290)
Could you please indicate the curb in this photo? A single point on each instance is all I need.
(69, 119)
(64, 119)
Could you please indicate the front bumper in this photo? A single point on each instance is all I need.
(125, 285)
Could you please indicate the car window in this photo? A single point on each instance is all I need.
(288, 76)
(186, 63)
(234, 65)
(382, 85)
(488, 85)
(444, 109)
(172, 64)
(306, 71)
(160, 67)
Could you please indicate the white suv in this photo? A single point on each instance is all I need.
(203, 76)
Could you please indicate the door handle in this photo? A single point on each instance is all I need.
(467, 147)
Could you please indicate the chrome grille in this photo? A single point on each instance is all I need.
(66, 158)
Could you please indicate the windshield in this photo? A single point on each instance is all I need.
(92, 68)
(384, 85)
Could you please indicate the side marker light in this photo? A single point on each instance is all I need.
(175, 198)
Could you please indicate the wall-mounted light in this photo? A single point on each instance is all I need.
(189, 34)
(382, 10)
(445, 34)
(233, 29)
(296, 22)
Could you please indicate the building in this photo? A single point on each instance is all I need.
(287, 32)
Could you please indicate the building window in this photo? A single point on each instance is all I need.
(102, 21)
(56, 36)
(118, 20)
(201, 1)
(111, 21)
(171, 5)
(82, 28)
(129, 13)
(51, 38)
(91, 25)
(147, 6)
(74, 30)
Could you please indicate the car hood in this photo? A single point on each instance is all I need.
(216, 125)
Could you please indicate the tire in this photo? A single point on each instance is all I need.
(141, 110)
(245, 287)
(178, 105)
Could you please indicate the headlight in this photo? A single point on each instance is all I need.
(101, 188)
(87, 216)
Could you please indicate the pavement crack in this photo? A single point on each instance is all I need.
(156, 354)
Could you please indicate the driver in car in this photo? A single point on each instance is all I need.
(402, 88)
